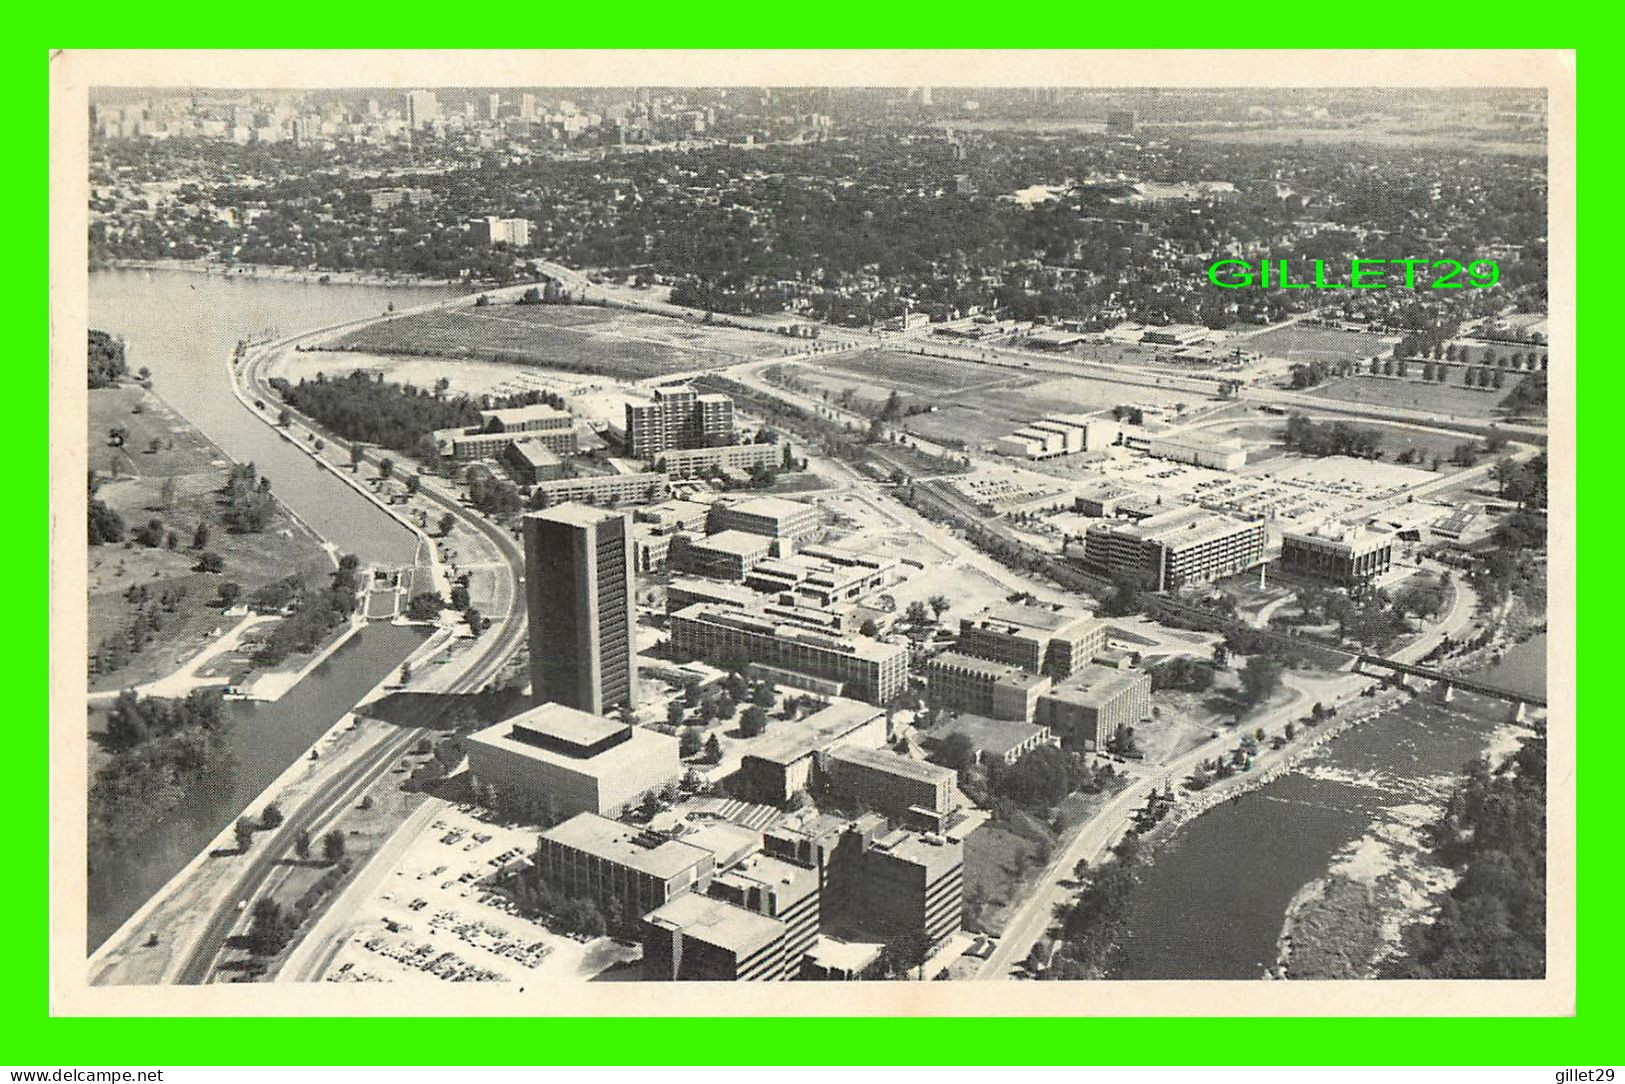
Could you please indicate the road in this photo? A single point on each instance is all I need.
(335, 795)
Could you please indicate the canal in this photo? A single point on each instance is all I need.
(183, 327)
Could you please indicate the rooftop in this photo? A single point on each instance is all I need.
(1003, 672)
(935, 854)
(565, 723)
(922, 771)
(996, 736)
(586, 746)
(536, 453)
(511, 415)
(1034, 616)
(771, 507)
(787, 742)
(646, 852)
(717, 922)
(859, 647)
(574, 514)
(1094, 685)
(738, 543)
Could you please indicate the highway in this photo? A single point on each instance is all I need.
(336, 794)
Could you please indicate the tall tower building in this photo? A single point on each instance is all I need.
(578, 587)
(422, 108)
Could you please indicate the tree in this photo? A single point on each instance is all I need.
(117, 436)
(476, 623)
(386, 467)
(230, 592)
(333, 847)
(284, 418)
(301, 844)
(200, 537)
(244, 829)
(688, 742)
(713, 750)
(753, 722)
(413, 484)
(940, 605)
(166, 493)
(211, 562)
(1260, 678)
(447, 522)
(357, 452)
(106, 525)
(270, 816)
(869, 628)
(917, 613)
(424, 606)
(675, 713)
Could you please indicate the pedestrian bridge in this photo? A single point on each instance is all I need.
(1449, 683)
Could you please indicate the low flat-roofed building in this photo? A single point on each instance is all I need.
(1180, 546)
(782, 761)
(1097, 433)
(702, 938)
(532, 461)
(638, 488)
(605, 860)
(675, 515)
(726, 555)
(1042, 638)
(536, 418)
(685, 591)
(1349, 556)
(1198, 449)
(868, 669)
(1090, 709)
(887, 782)
(1004, 740)
(821, 575)
(566, 761)
(774, 517)
(1110, 500)
(723, 459)
(967, 683)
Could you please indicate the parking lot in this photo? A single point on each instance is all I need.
(434, 917)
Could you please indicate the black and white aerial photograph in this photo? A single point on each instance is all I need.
(679, 521)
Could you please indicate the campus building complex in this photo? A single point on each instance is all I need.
(1044, 639)
(1093, 706)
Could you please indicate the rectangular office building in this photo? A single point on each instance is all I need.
(607, 861)
(1002, 690)
(1186, 545)
(1045, 639)
(1093, 706)
(867, 669)
(578, 586)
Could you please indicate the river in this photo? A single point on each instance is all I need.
(183, 326)
(1214, 902)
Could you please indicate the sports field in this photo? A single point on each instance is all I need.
(609, 342)
(1299, 342)
(1450, 399)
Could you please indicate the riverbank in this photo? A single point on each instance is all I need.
(252, 271)
(1349, 923)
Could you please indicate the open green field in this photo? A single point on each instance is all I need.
(1451, 399)
(133, 479)
(608, 342)
(1299, 342)
(975, 403)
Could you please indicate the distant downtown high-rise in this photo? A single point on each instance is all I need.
(578, 586)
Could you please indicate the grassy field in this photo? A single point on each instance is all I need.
(134, 487)
(1450, 399)
(609, 342)
(975, 403)
(1299, 342)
